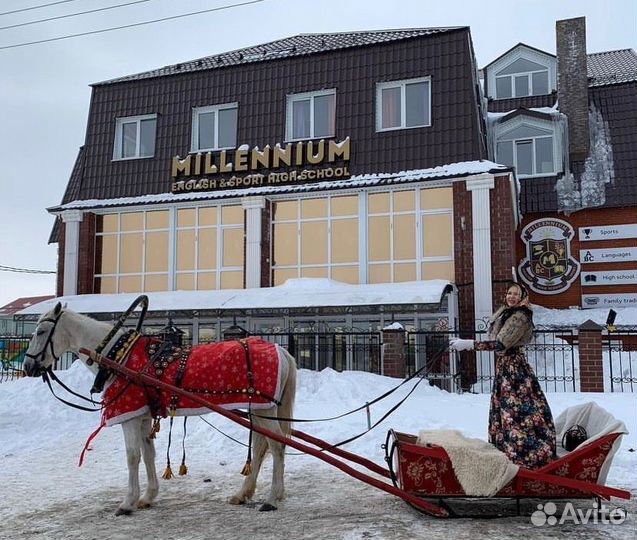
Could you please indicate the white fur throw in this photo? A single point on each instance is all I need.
(481, 469)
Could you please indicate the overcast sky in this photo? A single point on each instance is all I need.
(44, 90)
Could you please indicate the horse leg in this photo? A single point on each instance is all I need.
(259, 448)
(148, 454)
(133, 441)
(277, 488)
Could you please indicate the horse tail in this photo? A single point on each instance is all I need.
(286, 409)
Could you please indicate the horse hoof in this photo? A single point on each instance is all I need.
(143, 504)
(123, 512)
(236, 500)
(267, 507)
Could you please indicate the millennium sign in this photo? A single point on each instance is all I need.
(305, 161)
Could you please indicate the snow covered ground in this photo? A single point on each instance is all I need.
(45, 495)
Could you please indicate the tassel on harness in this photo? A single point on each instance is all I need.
(183, 470)
(168, 472)
(247, 468)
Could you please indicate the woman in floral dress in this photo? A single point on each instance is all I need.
(520, 420)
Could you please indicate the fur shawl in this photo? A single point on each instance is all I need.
(513, 327)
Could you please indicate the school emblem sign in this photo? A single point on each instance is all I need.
(548, 267)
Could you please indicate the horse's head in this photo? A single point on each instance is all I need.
(47, 343)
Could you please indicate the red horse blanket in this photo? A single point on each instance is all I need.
(217, 372)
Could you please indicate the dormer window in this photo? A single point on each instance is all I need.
(521, 78)
(528, 145)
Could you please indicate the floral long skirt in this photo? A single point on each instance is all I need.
(520, 420)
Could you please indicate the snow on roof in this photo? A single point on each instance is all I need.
(444, 171)
(294, 293)
(20, 303)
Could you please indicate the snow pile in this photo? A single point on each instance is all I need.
(546, 317)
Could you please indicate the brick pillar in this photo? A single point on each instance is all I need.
(394, 352)
(591, 369)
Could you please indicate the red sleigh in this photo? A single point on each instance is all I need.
(427, 472)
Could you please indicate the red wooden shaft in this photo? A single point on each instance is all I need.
(135, 376)
(597, 489)
(374, 467)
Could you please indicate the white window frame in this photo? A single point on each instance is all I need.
(521, 51)
(196, 111)
(119, 124)
(289, 121)
(403, 102)
(299, 220)
(506, 127)
(529, 78)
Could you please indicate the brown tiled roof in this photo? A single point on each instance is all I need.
(300, 45)
(612, 67)
(455, 134)
(21, 303)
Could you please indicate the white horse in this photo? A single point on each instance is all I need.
(62, 330)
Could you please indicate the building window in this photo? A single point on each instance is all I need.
(521, 78)
(527, 148)
(403, 104)
(160, 250)
(410, 235)
(135, 137)
(316, 238)
(209, 248)
(215, 127)
(132, 251)
(311, 115)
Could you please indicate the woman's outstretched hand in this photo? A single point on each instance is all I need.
(457, 344)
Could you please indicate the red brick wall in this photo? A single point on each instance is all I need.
(463, 253)
(590, 217)
(394, 353)
(590, 358)
(503, 235)
(86, 269)
(60, 276)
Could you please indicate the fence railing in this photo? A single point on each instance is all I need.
(12, 350)
(553, 354)
(619, 351)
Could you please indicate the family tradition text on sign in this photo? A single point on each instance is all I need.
(304, 161)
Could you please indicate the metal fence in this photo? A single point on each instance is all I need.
(552, 354)
(337, 350)
(12, 350)
(619, 356)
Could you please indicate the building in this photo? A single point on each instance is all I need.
(11, 327)
(358, 158)
(567, 123)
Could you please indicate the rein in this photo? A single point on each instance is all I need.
(419, 373)
(48, 375)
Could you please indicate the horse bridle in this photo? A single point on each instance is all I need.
(38, 358)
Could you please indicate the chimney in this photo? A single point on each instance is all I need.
(572, 83)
